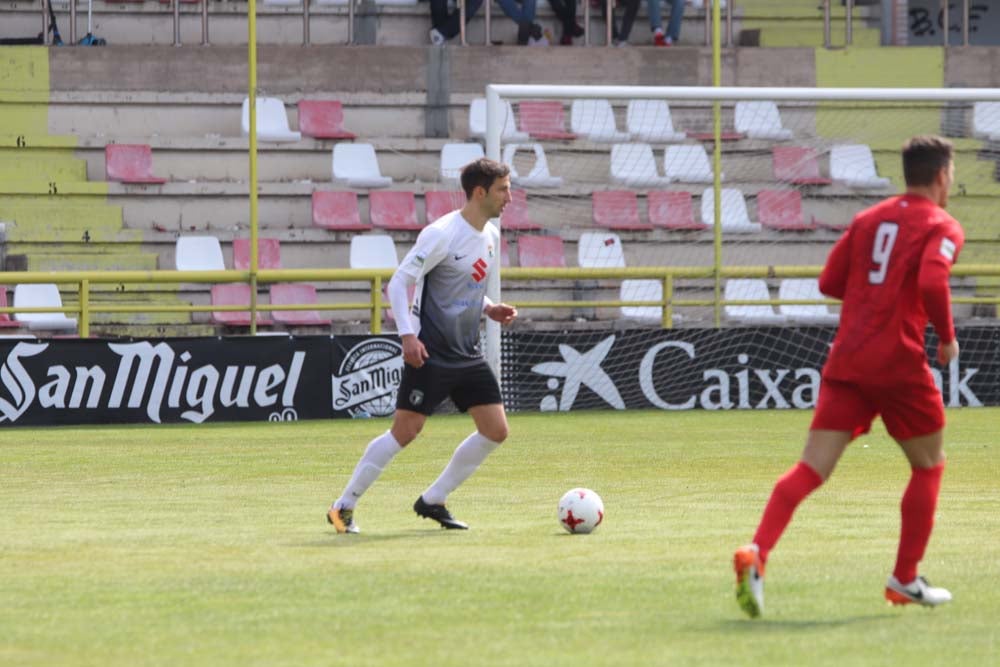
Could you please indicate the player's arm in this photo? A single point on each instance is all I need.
(938, 257)
(833, 279)
(498, 312)
(425, 254)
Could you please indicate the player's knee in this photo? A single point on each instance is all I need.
(406, 432)
(496, 433)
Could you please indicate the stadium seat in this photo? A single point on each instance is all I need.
(504, 252)
(272, 121)
(595, 120)
(797, 165)
(760, 120)
(268, 254)
(442, 202)
(986, 120)
(617, 209)
(6, 321)
(455, 156)
(735, 218)
(634, 165)
(650, 121)
(477, 121)
(672, 210)
(687, 164)
(234, 294)
(750, 289)
(357, 164)
(805, 288)
(323, 119)
(198, 253)
(538, 176)
(642, 290)
(540, 251)
(854, 166)
(287, 294)
(600, 250)
(782, 210)
(544, 120)
(393, 210)
(515, 214)
(44, 295)
(373, 251)
(130, 163)
(337, 211)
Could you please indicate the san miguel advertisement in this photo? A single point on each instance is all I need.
(157, 381)
(274, 378)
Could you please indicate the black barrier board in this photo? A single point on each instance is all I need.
(170, 380)
(751, 368)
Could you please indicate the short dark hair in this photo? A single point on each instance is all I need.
(923, 157)
(482, 173)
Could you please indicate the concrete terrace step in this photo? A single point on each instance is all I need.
(48, 165)
(85, 231)
(69, 261)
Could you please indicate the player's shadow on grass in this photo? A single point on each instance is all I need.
(342, 541)
(758, 625)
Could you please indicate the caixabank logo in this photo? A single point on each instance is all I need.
(143, 381)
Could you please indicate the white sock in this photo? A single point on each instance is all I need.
(376, 457)
(466, 459)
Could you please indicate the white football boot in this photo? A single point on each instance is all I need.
(918, 591)
(749, 580)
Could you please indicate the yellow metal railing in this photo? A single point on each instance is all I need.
(85, 280)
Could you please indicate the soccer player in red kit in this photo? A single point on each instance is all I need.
(890, 269)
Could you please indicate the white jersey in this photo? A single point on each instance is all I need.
(451, 262)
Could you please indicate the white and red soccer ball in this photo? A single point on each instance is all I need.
(581, 511)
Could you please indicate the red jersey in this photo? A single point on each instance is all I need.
(891, 271)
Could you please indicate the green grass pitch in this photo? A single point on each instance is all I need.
(206, 545)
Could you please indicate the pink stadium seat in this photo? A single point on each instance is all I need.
(504, 252)
(540, 251)
(287, 294)
(442, 202)
(515, 214)
(323, 119)
(130, 163)
(234, 294)
(797, 165)
(337, 211)
(672, 210)
(617, 209)
(268, 254)
(393, 210)
(782, 209)
(6, 321)
(544, 120)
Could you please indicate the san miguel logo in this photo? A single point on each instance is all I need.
(367, 380)
(147, 377)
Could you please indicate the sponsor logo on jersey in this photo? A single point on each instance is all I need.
(479, 270)
(948, 249)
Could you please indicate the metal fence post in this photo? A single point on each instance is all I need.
(177, 22)
(204, 22)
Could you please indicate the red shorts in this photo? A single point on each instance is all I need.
(908, 411)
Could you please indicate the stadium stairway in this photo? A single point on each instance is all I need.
(54, 219)
(790, 23)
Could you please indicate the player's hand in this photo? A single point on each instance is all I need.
(502, 313)
(947, 352)
(414, 352)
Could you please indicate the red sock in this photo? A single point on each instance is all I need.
(917, 508)
(791, 489)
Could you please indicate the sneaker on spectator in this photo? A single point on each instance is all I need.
(566, 39)
(437, 39)
(659, 39)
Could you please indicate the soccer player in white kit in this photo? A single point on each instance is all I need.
(450, 265)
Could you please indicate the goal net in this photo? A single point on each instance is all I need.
(741, 192)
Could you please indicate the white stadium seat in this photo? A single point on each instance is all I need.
(272, 120)
(760, 120)
(455, 156)
(650, 121)
(538, 176)
(687, 164)
(595, 120)
(634, 165)
(198, 253)
(804, 288)
(477, 121)
(854, 166)
(357, 164)
(750, 289)
(45, 295)
(734, 216)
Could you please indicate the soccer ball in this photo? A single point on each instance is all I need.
(581, 511)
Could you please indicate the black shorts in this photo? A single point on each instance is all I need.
(423, 389)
